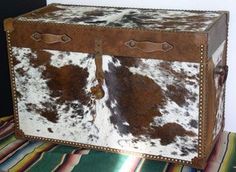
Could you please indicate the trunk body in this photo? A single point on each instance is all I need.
(141, 81)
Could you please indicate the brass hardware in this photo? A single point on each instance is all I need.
(166, 46)
(65, 38)
(36, 36)
(132, 43)
(148, 47)
(50, 38)
(97, 91)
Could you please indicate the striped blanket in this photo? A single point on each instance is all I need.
(21, 155)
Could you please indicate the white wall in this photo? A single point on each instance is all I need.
(229, 5)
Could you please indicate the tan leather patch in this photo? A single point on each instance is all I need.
(8, 24)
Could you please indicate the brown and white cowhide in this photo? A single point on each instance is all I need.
(150, 106)
(125, 17)
(217, 58)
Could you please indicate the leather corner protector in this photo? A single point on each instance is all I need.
(199, 162)
(8, 24)
(19, 133)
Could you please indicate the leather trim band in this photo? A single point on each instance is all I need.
(83, 38)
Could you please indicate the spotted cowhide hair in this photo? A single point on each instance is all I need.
(125, 17)
(150, 106)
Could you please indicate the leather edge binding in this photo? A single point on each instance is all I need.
(18, 132)
(195, 162)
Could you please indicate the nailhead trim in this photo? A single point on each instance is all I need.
(13, 83)
(200, 136)
(107, 149)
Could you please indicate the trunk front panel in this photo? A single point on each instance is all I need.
(150, 106)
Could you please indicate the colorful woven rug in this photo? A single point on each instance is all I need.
(20, 155)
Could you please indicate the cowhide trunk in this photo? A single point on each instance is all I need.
(141, 81)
